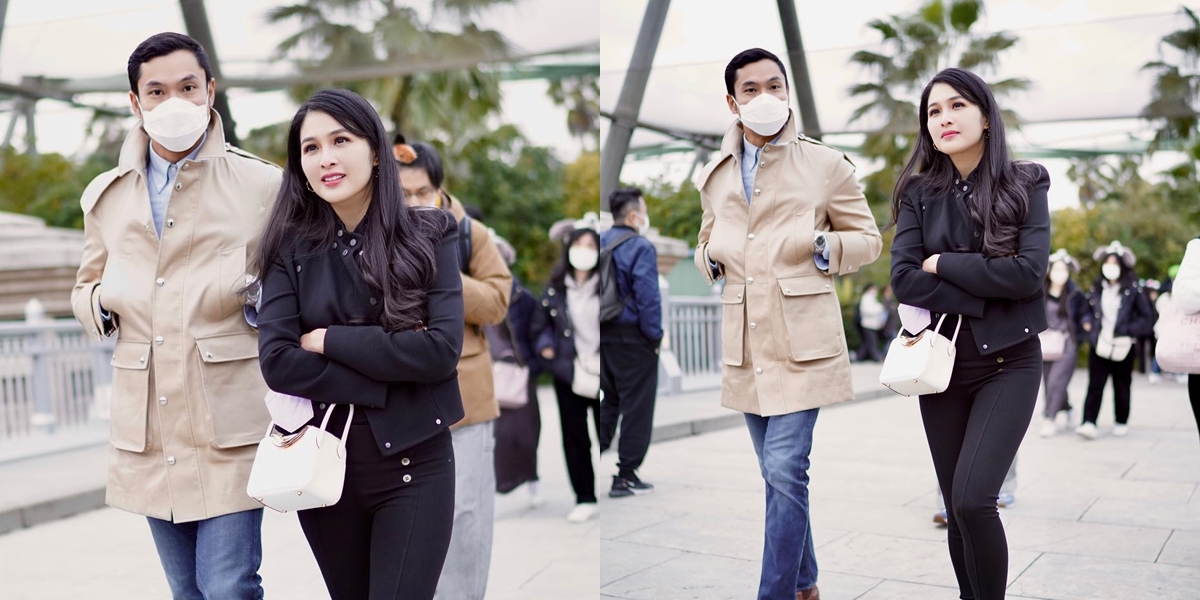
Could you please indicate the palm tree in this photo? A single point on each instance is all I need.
(1176, 85)
(916, 46)
(582, 97)
(429, 106)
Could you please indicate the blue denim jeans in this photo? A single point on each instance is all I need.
(213, 559)
(783, 443)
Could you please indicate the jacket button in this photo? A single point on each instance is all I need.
(142, 359)
(758, 370)
(437, 421)
(353, 242)
(554, 312)
(335, 245)
(750, 280)
(208, 355)
(751, 236)
(567, 333)
(1000, 360)
(762, 164)
(757, 192)
(407, 478)
(373, 301)
(171, 460)
(985, 346)
(739, 296)
(298, 268)
(339, 233)
(345, 252)
(404, 461)
(160, 281)
(178, 186)
(754, 326)
(387, 444)
(170, 222)
(162, 401)
(827, 286)
(158, 340)
(323, 406)
(1026, 330)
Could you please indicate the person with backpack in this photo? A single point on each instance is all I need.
(630, 335)
(487, 284)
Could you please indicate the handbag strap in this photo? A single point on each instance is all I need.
(942, 319)
(345, 429)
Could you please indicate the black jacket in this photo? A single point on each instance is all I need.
(405, 382)
(1076, 301)
(1001, 297)
(1135, 317)
(553, 329)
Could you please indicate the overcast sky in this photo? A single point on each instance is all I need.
(84, 38)
(1083, 57)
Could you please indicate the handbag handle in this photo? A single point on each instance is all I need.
(345, 429)
(938, 329)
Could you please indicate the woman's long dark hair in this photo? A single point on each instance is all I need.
(398, 260)
(558, 277)
(1000, 201)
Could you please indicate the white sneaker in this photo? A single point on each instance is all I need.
(1155, 378)
(535, 495)
(1121, 430)
(1181, 378)
(1049, 428)
(1062, 420)
(1087, 431)
(583, 513)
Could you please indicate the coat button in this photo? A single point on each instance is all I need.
(170, 222)
(373, 301)
(339, 233)
(787, 290)
(323, 405)
(160, 281)
(178, 186)
(567, 333)
(762, 164)
(171, 460)
(407, 478)
(1000, 360)
(335, 245)
(437, 421)
(142, 359)
(387, 444)
(827, 286)
(1026, 330)
(554, 312)
(757, 192)
(297, 268)
(353, 242)
(158, 340)
(404, 461)
(985, 346)
(739, 296)
(750, 280)
(758, 370)
(162, 401)
(345, 252)
(754, 326)
(208, 355)
(751, 236)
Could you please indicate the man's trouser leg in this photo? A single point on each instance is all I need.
(465, 574)
(635, 378)
(213, 559)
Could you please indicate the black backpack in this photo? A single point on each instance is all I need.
(612, 304)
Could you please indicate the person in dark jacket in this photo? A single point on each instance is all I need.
(569, 341)
(1117, 313)
(362, 313)
(518, 429)
(1064, 303)
(973, 242)
(629, 344)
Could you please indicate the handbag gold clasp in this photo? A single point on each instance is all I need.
(286, 441)
(910, 341)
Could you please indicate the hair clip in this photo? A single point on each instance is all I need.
(404, 153)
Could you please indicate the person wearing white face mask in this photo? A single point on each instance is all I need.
(1064, 303)
(791, 215)
(168, 233)
(569, 343)
(1116, 313)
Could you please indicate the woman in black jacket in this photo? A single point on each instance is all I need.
(1117, 313)
(1064, 303)
(362, 306)
(973, 241)
(570, 344)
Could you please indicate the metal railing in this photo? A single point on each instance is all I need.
(53, 379)
(693, 325)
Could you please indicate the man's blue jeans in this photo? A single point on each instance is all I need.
(213, 559)
(783, 443)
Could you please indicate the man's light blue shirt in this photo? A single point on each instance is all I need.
(160, 176)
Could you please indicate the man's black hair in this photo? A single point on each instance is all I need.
(746, 57)
(622, 202)
(163, 44)
(427, 160)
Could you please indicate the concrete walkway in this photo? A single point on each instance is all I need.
(1114, 518)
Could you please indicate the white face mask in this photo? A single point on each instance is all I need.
(644, 228)
(1111, 272)
(764, 115)
(584, 259)
(1059, 276)
(175, 124)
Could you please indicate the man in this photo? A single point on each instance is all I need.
(629, 343)
(782, 213)
(487, 284)
(168, 232)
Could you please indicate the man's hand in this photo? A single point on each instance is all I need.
(930, 264)
(314, 341)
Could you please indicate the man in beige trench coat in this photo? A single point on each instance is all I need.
(168, 233)
(782, 213)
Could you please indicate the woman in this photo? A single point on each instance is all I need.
(873, 315)
(973, 242)
(1116, 314)
(1186, 295)
(362, 305)
(1060, 346)
(570, 343)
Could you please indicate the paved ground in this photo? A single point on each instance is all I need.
(1113, 518)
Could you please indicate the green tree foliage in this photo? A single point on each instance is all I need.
(581, 185)
(674, 210)
(47, 186)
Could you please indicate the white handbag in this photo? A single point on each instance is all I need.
(1178, 349)
(1054, 344)
(510, 381)
(585, 381)
(304, 470)
(921, 364)
(1112, 348)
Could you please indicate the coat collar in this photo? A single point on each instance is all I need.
(133, 151)
(731, 145)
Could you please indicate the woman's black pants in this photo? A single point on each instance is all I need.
(1099, 370)
(577, 442)
(974, 429)
(387, 538)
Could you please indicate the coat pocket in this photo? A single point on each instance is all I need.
(233, 388)
(231, 274)
(130, 395)
(812, 317)
(733, 324)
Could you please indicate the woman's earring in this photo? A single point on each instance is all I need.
(308, 184)
(376, 171)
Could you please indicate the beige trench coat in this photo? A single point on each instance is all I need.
(485, 302)
(784, 348)
(187, 393)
